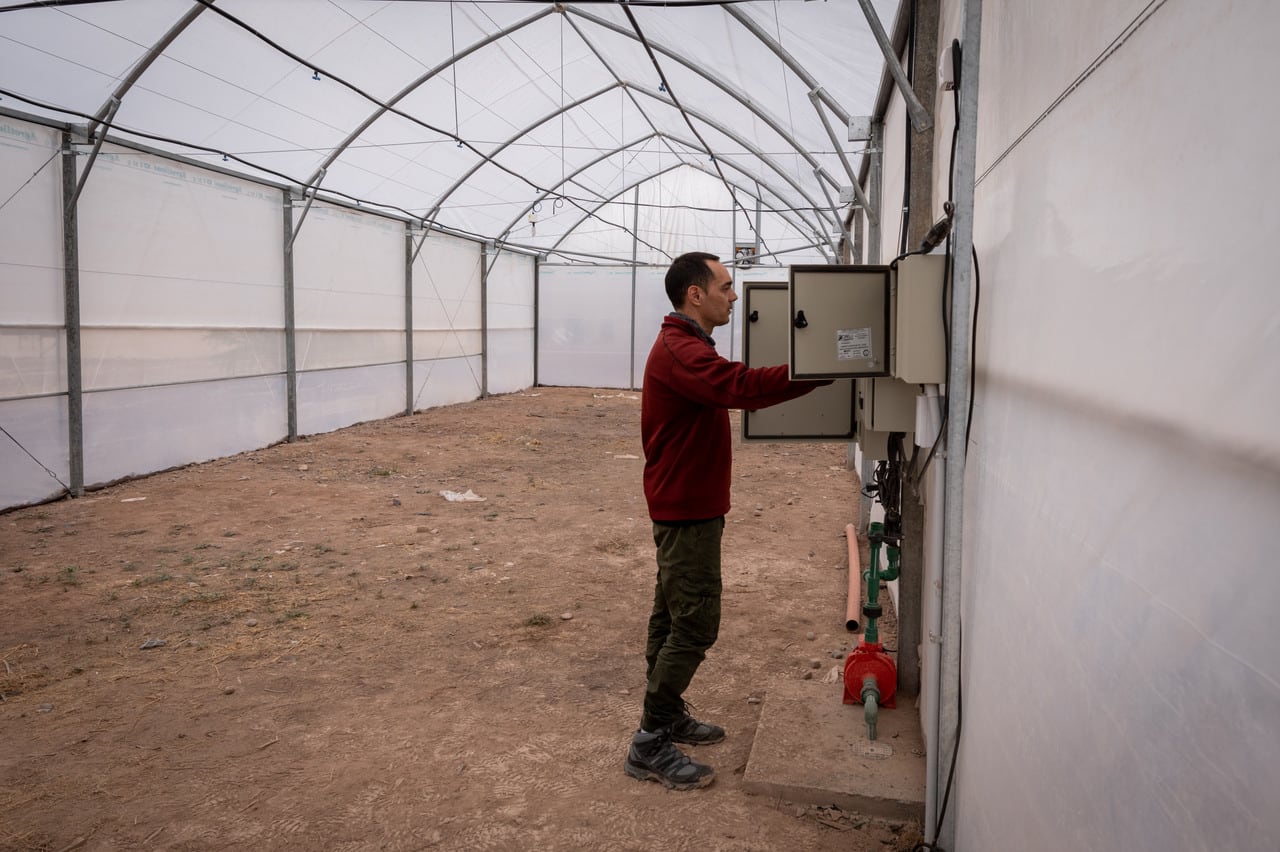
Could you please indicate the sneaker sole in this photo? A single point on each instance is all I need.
(640, 773)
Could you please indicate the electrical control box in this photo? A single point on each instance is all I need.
(882, 406)
(918, 348)
(839, 321)
(887, 404)
(825, 414)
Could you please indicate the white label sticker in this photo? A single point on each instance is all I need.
(853, 343)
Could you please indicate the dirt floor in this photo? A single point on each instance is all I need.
(308, 648)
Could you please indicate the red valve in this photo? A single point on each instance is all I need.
(870, 660)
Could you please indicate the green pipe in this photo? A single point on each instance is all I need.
(870, 704)
(871, 609)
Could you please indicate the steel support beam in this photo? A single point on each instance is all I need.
(920, 118)
(93, 155)
(71, 316)
(290, 337)
(408, 317)
(715, 79)
(502, 146)
(958, 391)
(384, 108)
(108, 110)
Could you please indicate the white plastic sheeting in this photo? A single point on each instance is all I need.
(510, 323)
(183, 325)
(1121, 670)
(368, 93)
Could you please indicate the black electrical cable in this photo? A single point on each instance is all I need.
(265, 39)
(904, 222)
(948, 268)
(635, 25)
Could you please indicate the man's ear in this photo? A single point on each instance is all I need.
(693, 295)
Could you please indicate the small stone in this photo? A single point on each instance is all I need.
(807, 676)
(395, 501)
(624, 691)
(566, 616)
(811, 635)
(228, 690)
(45, 708)
(753, 700)
(253, 622)
(815, 664)
(424, 529)
(303, 467)
(153, 643)
(837, 654)
(790, 502)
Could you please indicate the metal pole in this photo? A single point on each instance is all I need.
(484, 319)
(408, 318)
(71, 315)
(635, 256)
(537, 325)
(920, 119)
(958, 401)
(290, 348)
(733, 272)
(873, 257)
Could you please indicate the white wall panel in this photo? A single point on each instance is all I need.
(139, 431)
(446, 381)
(348, 270)
(40, 426)
(30, 225)
(510, 322)
(131, 357)
(580, 312)
(333, 399)
(166, 244)
(32, 361)
(1121, 677)
(446, 298)
(323, 350)
(652, 305)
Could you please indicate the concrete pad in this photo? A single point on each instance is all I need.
(811, 749)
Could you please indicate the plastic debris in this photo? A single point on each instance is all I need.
(153, 643)
(467, 496)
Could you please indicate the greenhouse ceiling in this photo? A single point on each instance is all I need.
(583, 130)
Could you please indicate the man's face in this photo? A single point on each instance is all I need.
(712, 307)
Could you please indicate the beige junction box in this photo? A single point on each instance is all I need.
(839, 322)
(826, 414)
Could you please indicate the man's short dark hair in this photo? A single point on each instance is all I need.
(689, 268)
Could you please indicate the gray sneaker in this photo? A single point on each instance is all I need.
(653, 757)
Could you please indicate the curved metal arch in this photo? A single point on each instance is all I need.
(750, 148)
(732, 163)
(386, 107)
(643, 139)
(589, 213)
(108, 109)
(783, 214)
(715, 80)
(728, 161)
(520, 134)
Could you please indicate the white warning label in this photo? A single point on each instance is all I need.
(853, 343)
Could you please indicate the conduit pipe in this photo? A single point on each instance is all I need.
(853, 607)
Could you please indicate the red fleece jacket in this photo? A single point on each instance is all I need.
(684, 420)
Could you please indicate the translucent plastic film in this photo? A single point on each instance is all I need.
(510, 323)
(580, 309)
(141, 430)
(37, 440)
(333, 399)
(30, 226)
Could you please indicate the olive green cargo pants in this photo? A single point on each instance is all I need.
(686, 615)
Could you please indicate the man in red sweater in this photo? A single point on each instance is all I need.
(684, 425)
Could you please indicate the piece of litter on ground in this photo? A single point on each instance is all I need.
(467, 496)
(153, 643)
(753, 700)
(625, 456)
(566, 616)
(834, 675)
(45, 708)
(133, 499)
